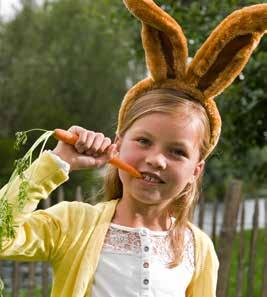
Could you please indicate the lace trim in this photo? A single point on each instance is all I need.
(129, 241)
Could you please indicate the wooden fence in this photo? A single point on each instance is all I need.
(29, 276)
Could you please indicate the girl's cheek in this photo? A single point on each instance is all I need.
(130, 154)
(123, 177)
(131, 158)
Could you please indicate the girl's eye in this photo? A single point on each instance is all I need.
(143, 141)
(178, 152)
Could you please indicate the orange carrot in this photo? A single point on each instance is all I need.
(124, 166)
(66, 136)
(71, 138)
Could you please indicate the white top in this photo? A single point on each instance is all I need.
(133, 262)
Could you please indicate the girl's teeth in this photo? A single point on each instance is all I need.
(151, 179)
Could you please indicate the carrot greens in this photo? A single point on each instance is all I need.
(7, 226)
(7, 230)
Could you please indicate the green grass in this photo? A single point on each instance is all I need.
(258, 276)
(25, 293)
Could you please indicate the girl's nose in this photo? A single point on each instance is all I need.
(157, 161)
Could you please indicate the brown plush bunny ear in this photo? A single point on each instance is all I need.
(227, 50)
(163, 40)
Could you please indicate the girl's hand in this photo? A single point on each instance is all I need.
(92, 150)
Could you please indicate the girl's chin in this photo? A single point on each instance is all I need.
(146, 200)
(145, 195)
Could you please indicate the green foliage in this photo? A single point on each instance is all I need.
(2, 286)
(61, 64)
(7, 156)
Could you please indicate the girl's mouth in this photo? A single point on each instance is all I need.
(152, 178)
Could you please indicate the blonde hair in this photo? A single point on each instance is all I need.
(171, 102)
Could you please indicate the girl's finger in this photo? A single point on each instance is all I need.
(89, 141)
(76, 130)
(110, 154)
(82, 136)
(97, 143)
(80, 144)
(83, 162)
(112, 151)
(105, 144)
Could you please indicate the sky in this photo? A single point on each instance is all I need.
(7, 8)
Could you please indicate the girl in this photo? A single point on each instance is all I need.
(140, 242)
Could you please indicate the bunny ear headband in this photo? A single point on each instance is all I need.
(216, 64)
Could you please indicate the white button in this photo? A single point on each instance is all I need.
(146, 248)
(146, 281)
(145, 264)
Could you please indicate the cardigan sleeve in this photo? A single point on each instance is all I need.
(36, 233)
(209, 274)
(204, 281)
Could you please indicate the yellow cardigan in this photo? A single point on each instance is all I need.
(70, 235)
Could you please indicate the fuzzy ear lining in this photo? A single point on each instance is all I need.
(167, 49)
(227, 50)
(164, 42)
(225, 57)
(159, 54)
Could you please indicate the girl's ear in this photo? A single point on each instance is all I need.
(227, 50)
(163, 40)
(117, 141)
(197, 172)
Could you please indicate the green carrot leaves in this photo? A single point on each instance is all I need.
(7, 229)
(21, 139)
